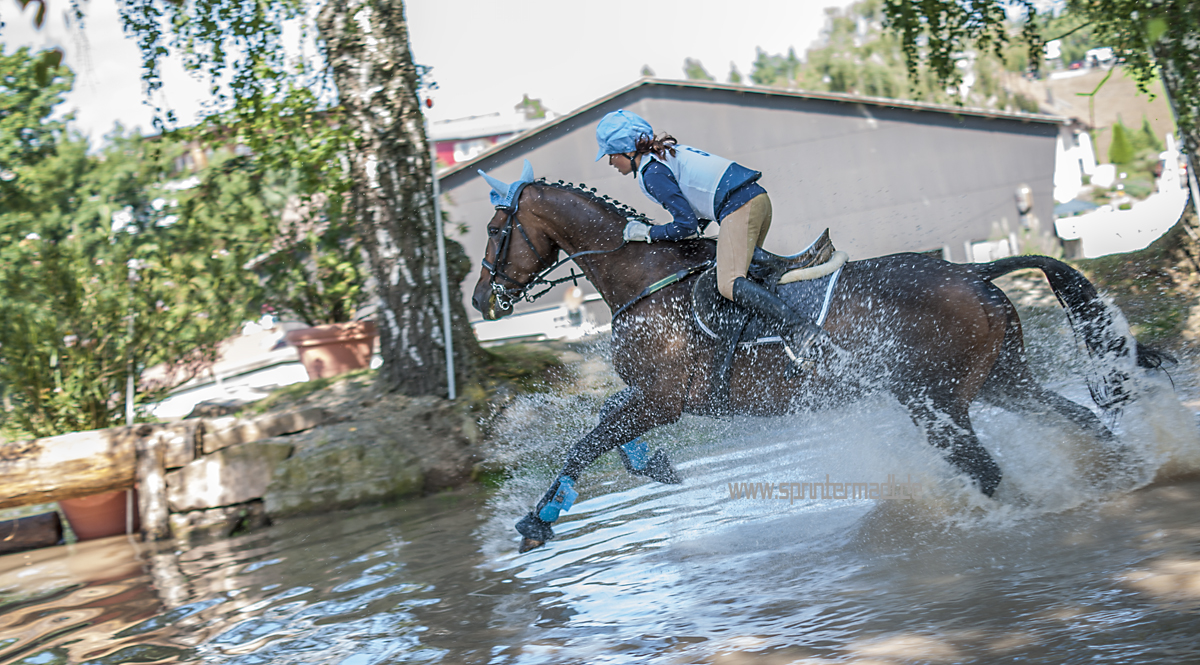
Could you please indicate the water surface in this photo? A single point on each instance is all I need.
(1074, 561)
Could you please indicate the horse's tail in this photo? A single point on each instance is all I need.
(1099, 326)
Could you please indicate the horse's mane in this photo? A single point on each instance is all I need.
(603, 200)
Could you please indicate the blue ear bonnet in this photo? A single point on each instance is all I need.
(505, 195)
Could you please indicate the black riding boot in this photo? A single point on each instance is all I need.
(799, 333)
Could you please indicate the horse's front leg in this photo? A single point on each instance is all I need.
(624, 417)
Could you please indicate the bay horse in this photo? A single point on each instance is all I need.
(936, 335)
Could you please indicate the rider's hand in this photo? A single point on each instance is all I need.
(637, 232)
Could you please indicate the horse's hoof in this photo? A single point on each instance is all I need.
(529, 544)
(532, 528)
(659, 469)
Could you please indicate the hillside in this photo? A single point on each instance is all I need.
(1118, 98)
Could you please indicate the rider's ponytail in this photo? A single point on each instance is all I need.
(659, 146)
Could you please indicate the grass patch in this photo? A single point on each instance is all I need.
(529, 367)
(298, 391)
(1154, 287)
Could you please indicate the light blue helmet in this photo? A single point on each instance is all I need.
(619, 131)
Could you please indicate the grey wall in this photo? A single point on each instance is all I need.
(883, 179)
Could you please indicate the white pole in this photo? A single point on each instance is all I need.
(129, 393)
(441, 246)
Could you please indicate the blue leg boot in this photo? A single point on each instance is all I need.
(636, 457)
(535, 526)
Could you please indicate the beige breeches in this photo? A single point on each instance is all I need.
(741, 231)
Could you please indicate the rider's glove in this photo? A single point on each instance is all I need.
(637, 232)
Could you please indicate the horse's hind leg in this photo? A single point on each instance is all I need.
(948, 427)
(1011, 386)
(1033, 399)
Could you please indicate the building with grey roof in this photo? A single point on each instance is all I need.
(884, 175)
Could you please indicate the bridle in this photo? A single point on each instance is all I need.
(507, 296)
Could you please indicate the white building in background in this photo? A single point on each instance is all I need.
(1074, 158)
(463, 139)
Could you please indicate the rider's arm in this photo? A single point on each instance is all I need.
(661, 184)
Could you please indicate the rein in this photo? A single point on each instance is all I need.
(662, 284)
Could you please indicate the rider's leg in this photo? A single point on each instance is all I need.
(741, 231)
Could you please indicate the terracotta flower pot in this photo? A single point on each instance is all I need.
(99, 515)
(334, 348)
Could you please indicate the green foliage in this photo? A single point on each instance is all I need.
(1145, 139)
(1076, 37)
(315, 272)
(1149, 39)
(735, 77)
(1137, 154)
(934, 32)
(531, 108)
(647, 72)
(854, 56)
(104, 269)
(26, 100)
(1121, 150)
(695, 71)
(294, 143)
(775, 70)
(353, 109)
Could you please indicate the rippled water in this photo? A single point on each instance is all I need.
(1072, 563)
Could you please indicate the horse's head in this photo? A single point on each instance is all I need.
(520, 250)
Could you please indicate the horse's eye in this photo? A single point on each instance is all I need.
(493, 231)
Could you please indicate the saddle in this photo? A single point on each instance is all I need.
(797, 279)
(767, 268)
(804, 281)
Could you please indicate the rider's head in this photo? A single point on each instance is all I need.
(619, 131)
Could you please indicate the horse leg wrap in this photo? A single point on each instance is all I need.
(558, 499)
(639, 462)
(635, 455)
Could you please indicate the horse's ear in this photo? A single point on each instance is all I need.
(527, 172)
(498, 185)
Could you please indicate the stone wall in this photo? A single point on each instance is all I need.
(223, 475)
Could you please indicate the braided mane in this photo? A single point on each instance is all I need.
(603, 200)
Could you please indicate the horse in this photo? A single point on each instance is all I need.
(936, 335)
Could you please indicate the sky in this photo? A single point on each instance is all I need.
(485, 54)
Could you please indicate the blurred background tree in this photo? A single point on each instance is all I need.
(1152, 40)
(1121, 150)
(105, 266)
(693, 70)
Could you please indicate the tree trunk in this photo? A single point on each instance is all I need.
(392, 195)
(1179, 58)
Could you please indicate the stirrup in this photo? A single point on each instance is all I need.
(803, 347)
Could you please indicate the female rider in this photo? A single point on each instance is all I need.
(694, 185)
